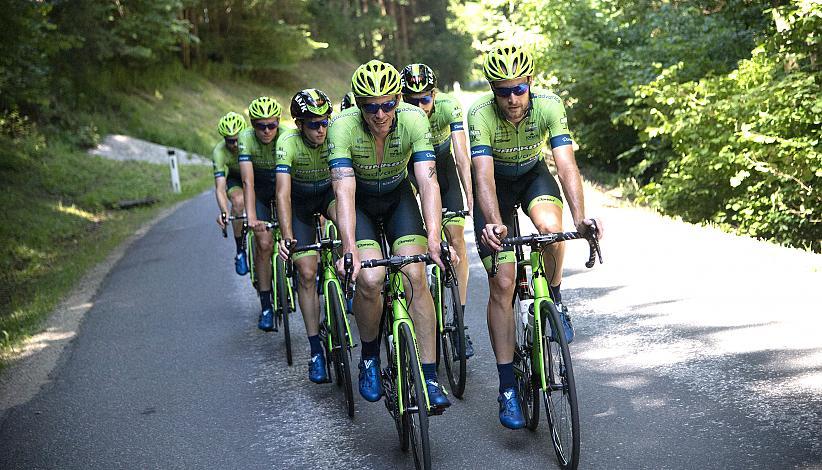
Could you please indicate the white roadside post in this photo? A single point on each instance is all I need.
(175, 172)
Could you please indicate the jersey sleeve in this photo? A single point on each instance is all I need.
(456, 123)
(556, 122)
(284, 155)
(480, 134)
(339, 143)
(245, 145)
(219, 162)
(420, 138)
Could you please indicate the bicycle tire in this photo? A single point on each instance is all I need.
(249, 253)
(415, 415)
(342, 352)
(453, 334)
(284, 306)
(527, 388)
(561, 406)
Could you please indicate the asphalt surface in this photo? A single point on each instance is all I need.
(694, 349)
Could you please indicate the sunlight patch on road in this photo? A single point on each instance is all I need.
(43, 340)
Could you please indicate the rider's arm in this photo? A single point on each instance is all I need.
(571, 181)
(222, 199)
(429, 190)
(482, 158)
(463, 161)
(344, 183)
(460, 143)
(247, 175)
(284, 204)
(218, 157)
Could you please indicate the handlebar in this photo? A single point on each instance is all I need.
(229, 218)
(540, 239)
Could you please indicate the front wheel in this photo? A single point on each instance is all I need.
(453, 338)
(415, 413)
(283, 305)
(341, 354)
(560, 398)
(524, 372)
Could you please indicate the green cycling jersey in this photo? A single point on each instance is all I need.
(444, 119)
(352, 146)
(224, 162)
(262, 156)
(516, 149)
(308, 166)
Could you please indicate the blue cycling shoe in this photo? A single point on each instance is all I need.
(469, 346)
(317, 372)
(266, 320)
(370, 381)
(241, 264)
(436, 395)
(510, 413)
(567, 326)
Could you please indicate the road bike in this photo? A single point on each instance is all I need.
(450, 317)
(335, 330)
(542, 358)
(406, 396)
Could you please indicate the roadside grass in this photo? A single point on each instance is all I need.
(57, 201)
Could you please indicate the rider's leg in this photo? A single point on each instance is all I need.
(500, 316)
(307, 292)
(368, 299)
(547, 218)
(237, 209)
(422, 305)
(456, 236)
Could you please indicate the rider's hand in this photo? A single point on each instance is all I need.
(285, 249)
(455, 259)
(435, 252)
(355, 255)
(221, 220)
(492, 235)
(588, 224)
(256, 225)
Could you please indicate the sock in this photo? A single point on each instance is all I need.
(239, 242)
(265, 299)
(556, 294)
(429, 371)
(506, 376)
(316, 345)
(371, 349)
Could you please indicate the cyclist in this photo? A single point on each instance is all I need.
(304, 189)
(257, 164)
(445, 117)
(371, 145)
(227, 183)
(347, 101)
(508, 126)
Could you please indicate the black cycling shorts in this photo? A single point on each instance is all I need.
(535, 186)
(397, 211)
(264, 191)
(233, 182)
(303, 208)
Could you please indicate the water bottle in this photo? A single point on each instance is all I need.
(526, 308)
(429, 274)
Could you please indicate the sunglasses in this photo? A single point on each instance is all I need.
(231, 141)
(518, 90)
(427, 99)
(261, 126)
(374, 108)
(314, 125)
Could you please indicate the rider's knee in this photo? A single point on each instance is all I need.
(502, 285)
(237, 202)
(308, 274)
(549, 226)
(369, 283)
(266, 244)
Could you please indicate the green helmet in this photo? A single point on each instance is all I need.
(347, 101)
(375, 78)
(231, 124)
(418, 78)
(264, 108)
(507, 62)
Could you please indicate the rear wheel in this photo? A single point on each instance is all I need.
(284, 305)
(453, 339)
(341, 353)
(561, 407)
(415, 416)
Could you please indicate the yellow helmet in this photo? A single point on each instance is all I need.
(375, 78)
(231, 124)
(264, 108)
(507, 62)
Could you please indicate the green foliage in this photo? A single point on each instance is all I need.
(747, 143)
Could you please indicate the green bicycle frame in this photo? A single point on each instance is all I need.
(329, 278)
(541, 294)
(400, 309)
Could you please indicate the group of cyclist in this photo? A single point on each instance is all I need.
(397, 138)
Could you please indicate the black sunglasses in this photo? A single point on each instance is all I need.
(231, 141)
(262, 126)
(314, 125)
(416, 101)
(374, 108)
(518, 90)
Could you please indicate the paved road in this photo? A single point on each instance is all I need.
(695, 349)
